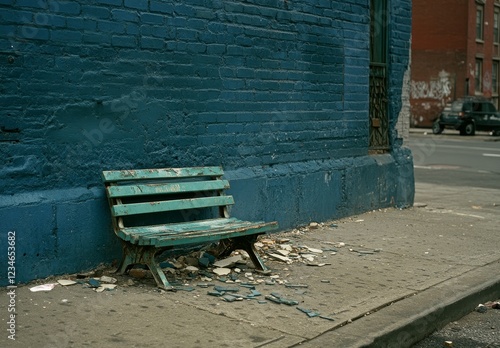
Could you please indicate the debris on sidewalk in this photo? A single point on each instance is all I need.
(229, 261)
(296, 286)
(94, 283)
(239, 280)
(364, 252)
(315, 250)
(310, 313)
(105, 287)
(138, 273)
(109, 280)
(481, 308)
(222, 271)
(315, 264)
(184, 288)
(66, 282)
(277, 298)
(313, 225)
(43, 287)
(280, 258)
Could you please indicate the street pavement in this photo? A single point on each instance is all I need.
(478, 329)
(385, 278)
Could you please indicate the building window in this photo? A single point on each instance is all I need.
(379, 95)
(478, 76)
(479, 22)
(494, 77)
(496, 25)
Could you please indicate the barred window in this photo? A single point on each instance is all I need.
(494, 77)
(496, 25)
(479, 22)
(478, 76)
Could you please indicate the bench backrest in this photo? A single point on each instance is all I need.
(153, 191)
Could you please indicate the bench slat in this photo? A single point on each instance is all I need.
(177, 204)
(166, 188)
(201, 237)
(195, 232)
(140, 232)
(143, 234)
(181, 226)
(138, 174)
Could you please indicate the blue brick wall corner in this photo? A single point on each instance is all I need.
(275, 92)
(56, 232)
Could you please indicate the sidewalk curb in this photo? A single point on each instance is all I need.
(408, 321)
(428, 131)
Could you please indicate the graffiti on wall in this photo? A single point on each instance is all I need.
(439, 89)
(430, 97)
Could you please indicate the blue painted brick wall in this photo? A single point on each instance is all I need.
(274, 91)
(135, 61)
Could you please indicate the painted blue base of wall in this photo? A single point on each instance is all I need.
(69, 231)
(56, 232)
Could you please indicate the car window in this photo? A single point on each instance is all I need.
(489, 107)
(477, 107)
(456, 106)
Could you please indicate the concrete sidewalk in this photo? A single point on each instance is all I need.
(384, 279)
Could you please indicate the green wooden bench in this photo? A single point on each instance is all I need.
(158, 209)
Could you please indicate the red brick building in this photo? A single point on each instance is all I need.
(455, 52)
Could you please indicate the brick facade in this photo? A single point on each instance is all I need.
(444, 53)
(274, 91)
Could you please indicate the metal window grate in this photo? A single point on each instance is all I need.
(379, 121)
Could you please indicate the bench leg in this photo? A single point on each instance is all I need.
(247, 243)
(156, 271)
(128, 259)
(133, 254)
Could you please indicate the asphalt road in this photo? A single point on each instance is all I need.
(461, 163)
(454, 160)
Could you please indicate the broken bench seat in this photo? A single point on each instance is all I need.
(154, 210)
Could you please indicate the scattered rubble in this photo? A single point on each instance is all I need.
(313, 225)
(43, 287)
(66, 282)
(105, 287)
(279, 299)
(138, 273)
(232, 278)
(229, 261)
(94, 283)
(222, 271)
(482, 308)
(315, 264)
(310, 313)
(106, 279)
(296, 285)
(280, 257)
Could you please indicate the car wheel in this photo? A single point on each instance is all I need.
(437, 128)
(468, 129)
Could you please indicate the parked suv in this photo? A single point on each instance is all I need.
(468, 115)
